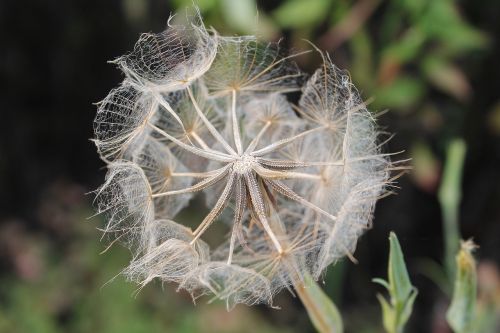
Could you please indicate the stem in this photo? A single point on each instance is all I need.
(311, 307)
(449, 197)
(321, 310)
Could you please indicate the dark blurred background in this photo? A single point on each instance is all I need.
(433, 64)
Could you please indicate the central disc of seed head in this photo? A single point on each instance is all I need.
(244, 164)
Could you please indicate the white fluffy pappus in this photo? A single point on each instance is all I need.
(200, 113)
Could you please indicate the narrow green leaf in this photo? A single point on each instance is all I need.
(382, 282)
(408, 307)
(334, 280)
(462, 311)
(402, 294)
(388, 315)
(399, 280)
(323, 313)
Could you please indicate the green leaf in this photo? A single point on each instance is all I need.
(323, 313)
(335, 280)
(300, 13)
(388, 317)
(408, 307)
(462, 312)
(382, 282)
(399, 280)
(402, 294)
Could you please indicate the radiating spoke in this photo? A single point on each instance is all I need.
(209, 125)
(169, 109)
(289, 164)
(195, 174)
(271, 66)
(255, 141)
(276, 174)
(265, 85)
(281, 164)
(207, 182)
(219, 206)
(288, 192)
(238, 217)
(200, 141)
(259, 208)
(282, 143)
(211, 155)
(236, 127)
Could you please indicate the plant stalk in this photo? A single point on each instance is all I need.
(321, 310)
(449, 197)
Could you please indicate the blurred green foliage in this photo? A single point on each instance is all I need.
(414, 47)
(76, 289)
(402, 293)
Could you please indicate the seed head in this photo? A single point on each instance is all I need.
(296, 185)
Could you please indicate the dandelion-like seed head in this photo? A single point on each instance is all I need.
(201, 113)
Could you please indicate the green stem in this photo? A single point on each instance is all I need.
(312, 309)
(323, 313)
(449, 198)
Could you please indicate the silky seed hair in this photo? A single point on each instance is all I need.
(198, 113)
